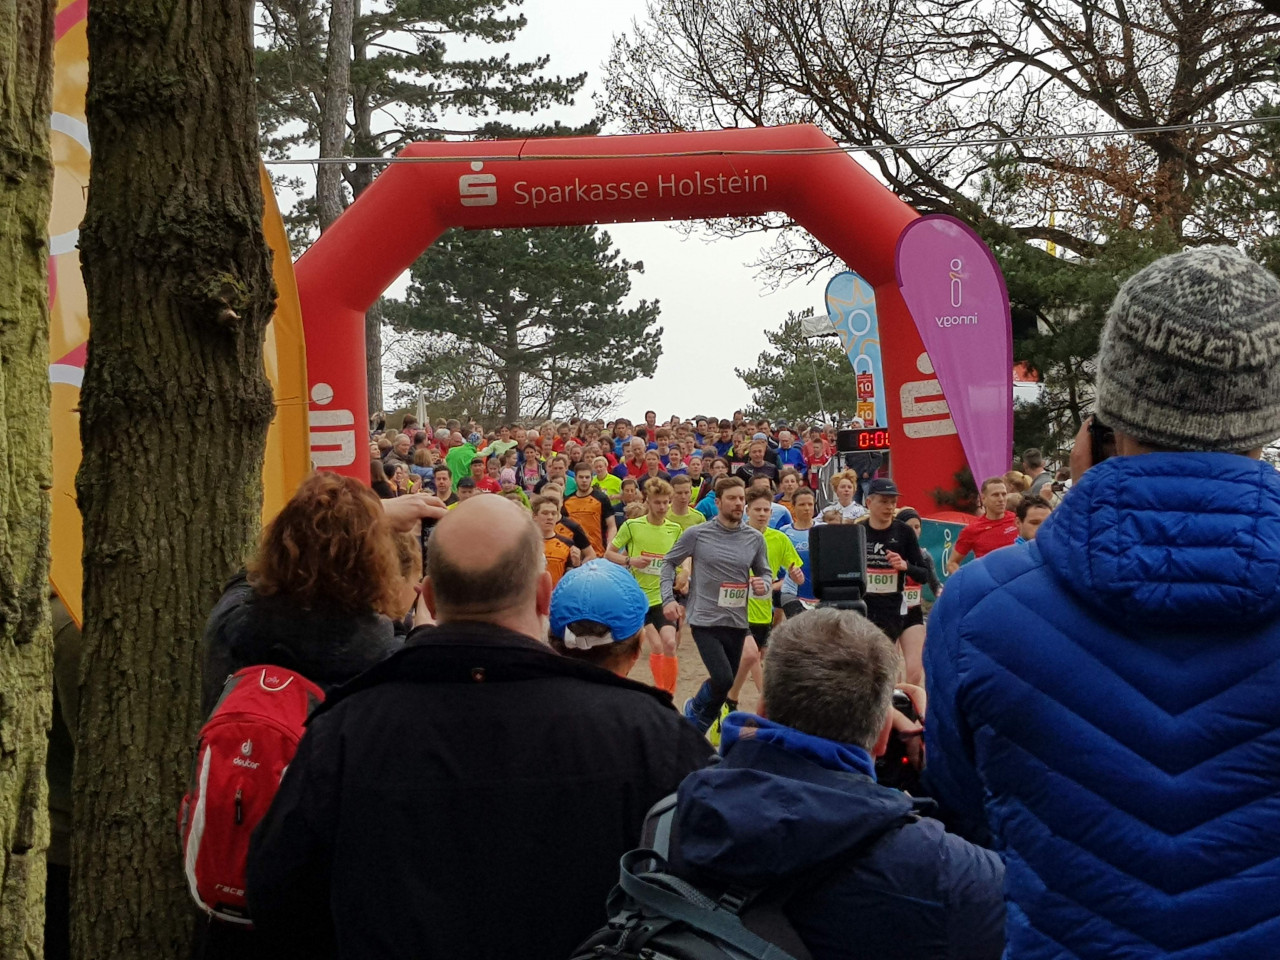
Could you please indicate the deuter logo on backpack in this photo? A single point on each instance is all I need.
(256, 725)
(243, 760)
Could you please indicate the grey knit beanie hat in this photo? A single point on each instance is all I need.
(1190, 354)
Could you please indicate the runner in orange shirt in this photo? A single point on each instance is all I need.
(591, 509)
(560, 552)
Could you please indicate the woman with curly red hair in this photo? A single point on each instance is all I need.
(320, 594)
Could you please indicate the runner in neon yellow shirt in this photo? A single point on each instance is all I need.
(681, 495)
(641, 544)
(606, 481)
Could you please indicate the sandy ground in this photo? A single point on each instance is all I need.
(692, 673)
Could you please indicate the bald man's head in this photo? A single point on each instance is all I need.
(486, 557)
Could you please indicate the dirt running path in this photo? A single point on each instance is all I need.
(692, 673)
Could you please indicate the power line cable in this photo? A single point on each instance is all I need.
(930, 144)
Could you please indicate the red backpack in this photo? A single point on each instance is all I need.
(244, 748)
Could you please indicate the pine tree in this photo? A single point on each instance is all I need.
(400, 67)
(174, 412)
(528, 309)
(26, 662)
(788, 379)
(1059, 307)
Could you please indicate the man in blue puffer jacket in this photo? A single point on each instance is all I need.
(1109, 693)
(795, 800)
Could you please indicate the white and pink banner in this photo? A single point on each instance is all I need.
(955, 292)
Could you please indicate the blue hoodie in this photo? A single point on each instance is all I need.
(783, 803)
(1108, 695)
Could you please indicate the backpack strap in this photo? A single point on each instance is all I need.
(672, 897)
(655, 833)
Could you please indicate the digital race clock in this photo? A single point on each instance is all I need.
(870, 438)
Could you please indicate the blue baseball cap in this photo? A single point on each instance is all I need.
(604, 593)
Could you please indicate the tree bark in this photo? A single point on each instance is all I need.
(333, 117)
(373, 356)
(174, 412)
(26, 643)
(511, 374)
(359, 178)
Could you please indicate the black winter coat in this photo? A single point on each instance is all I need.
(245, 629)
(469, 797)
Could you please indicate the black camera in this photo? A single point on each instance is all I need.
(894, 768)
(1102, 440)
(838, 565)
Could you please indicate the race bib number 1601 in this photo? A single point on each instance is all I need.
(882, 581)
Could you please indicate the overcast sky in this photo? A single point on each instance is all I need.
(714, 311)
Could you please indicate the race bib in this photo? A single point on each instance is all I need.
(733, 595)
(912, 596)
(654, 568)
(881, 581)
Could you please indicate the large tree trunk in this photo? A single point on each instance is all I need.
(174, 412)
(511, 380)
(26, 658)
(333, 118)
(373, 356)
(359, 178)
(511, 372)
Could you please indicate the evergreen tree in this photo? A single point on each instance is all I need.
(1059, 307)
(26, 185)
(401, 85)
(174, 413)
(788, 378)
(534, 311)
(405, 84)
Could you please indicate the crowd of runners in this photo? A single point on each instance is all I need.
(1087, 706)
(628, 492)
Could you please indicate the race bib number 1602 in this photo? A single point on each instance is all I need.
(733, 595)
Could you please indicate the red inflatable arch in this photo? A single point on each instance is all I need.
(590, 180)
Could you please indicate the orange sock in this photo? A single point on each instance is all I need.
(672, 674)
(658, 667)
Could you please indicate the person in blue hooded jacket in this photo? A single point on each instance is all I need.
(795, 800)
(1105, 696)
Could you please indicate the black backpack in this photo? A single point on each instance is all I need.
(655, 915)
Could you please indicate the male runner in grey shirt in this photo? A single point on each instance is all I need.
(728, 560)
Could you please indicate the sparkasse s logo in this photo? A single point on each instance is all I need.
(478, 189)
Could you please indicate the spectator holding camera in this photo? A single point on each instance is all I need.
(795, 801)
(1121, 744)
(320, 594)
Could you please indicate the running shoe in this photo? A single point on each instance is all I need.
(713, 733)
